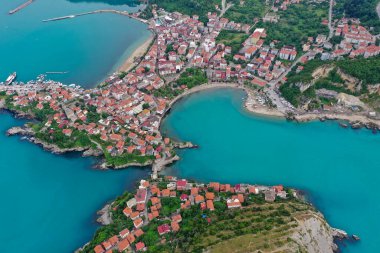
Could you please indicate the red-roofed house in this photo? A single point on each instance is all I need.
(210, 205)
(138, 223)
(99, 249)
(123, 245)
(233, 203)
(141, 196)
(163, 229)
(175, 226)
(181, 185)
(123, 233)
(140, 246)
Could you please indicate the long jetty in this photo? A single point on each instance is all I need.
(20, 7)
(124, 13)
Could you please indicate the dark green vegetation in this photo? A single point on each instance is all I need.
(365, 10)
(192, 77)
(365, 70)
(189, 7)
(167, 92)
(247, 12)
(292, 93)
(125, 159)
(54, 135)
(233, 39)
(297, 23)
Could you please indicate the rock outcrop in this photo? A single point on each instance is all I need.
(315, 235)
(104, 215)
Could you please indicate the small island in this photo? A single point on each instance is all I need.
(176, 215)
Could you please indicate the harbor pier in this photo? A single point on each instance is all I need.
(124, 13)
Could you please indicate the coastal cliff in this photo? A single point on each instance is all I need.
(314, 234)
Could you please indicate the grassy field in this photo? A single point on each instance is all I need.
(297, 23)
(247, 12)
(257, 227)
(233, 39)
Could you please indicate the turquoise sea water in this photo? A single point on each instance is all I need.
(49, 202)
(339, 168)
(88, 47)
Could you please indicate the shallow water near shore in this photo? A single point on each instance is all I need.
(338, 168)
(88, 47)
(49, 202)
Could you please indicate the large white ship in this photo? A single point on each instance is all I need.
(10, 78)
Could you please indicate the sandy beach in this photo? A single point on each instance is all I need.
(140, 51)
(252, 106)
(250, 103)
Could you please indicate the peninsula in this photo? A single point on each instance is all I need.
(176, 215)
(120, 119)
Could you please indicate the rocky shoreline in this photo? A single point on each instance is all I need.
(28, 132)
(354, 121)
(104, 215)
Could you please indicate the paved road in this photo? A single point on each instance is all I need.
(281, 104)
(378, 10)
(331, 33)
(224, 8)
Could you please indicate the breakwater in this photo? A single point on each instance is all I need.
(124, 13)
(20, 7)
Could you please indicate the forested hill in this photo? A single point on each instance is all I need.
(365, 10)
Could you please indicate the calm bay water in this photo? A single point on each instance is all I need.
(48, 201)
(339, 168)
(88, 47)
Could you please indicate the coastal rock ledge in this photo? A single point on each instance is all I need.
(20, 131)
(315, 235)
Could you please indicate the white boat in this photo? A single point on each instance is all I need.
(10, 78)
